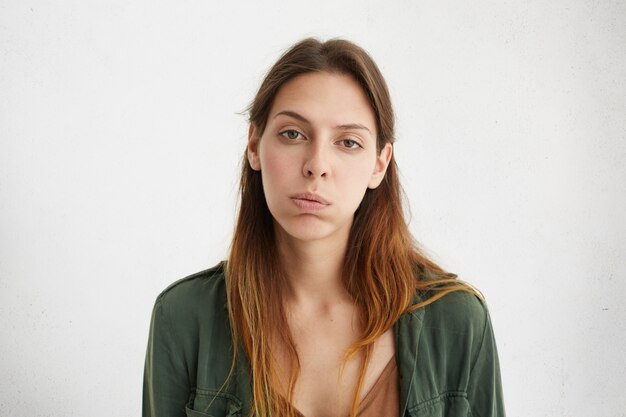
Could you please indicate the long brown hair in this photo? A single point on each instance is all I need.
(383, 271)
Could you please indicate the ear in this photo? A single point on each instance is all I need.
(382, 162)
(253, 148)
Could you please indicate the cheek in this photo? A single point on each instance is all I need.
(277, 169)
(275, 166)
(358, 172)
(353, 179)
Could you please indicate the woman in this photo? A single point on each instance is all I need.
(331, 307)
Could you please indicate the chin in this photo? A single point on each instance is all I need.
(307, 229)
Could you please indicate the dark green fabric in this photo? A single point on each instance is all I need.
(446, 354)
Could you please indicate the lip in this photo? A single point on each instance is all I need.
(309, 201)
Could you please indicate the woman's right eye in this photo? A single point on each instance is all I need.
(291, 134)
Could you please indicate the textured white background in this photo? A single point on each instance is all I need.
(120, 138)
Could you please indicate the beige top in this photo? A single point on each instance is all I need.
(383, 399)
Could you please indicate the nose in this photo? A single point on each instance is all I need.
(316, 163)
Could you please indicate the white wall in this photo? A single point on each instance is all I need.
(119, 147)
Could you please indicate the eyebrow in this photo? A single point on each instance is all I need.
(303, 119)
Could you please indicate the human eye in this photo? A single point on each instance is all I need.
(292, 134)
(350, 143)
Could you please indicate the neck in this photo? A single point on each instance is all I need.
(313, 270)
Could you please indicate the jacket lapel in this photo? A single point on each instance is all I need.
(408, 329)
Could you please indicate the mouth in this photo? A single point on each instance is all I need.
(309, 201)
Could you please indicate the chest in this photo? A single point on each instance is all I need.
(326, 383)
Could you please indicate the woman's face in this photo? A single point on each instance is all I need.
(317, 155)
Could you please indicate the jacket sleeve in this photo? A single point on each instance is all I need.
(166, 382)
(485, 386)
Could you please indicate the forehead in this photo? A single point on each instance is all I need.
(325, 98)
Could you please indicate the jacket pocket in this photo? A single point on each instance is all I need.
(208, 403)
(194, 413)
(450, 404)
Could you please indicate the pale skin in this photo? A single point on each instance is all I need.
(318, 156)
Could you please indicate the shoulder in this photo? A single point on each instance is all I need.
(448, 346)
(195, 295)
(454, 326)
(457, 312)
(189, 341)
(207, 279)
(448, 349)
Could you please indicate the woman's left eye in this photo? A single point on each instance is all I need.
(350, 144)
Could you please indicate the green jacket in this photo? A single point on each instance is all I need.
(446, 354)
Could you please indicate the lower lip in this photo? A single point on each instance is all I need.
(309, 205)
